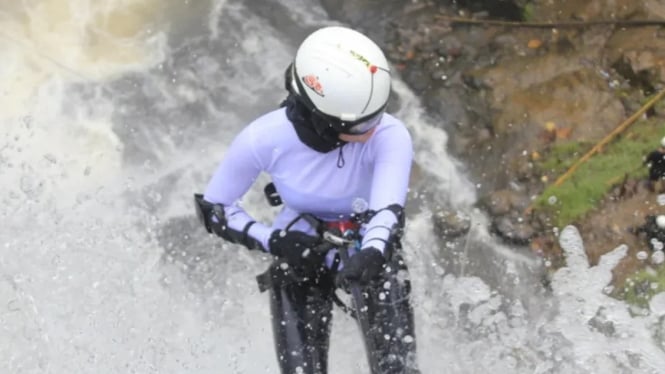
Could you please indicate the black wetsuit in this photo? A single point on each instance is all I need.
(656, 162)
(302, 318)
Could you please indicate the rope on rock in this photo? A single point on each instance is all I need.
(599, 146)
(596, 148)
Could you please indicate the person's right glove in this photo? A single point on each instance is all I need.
(361, 267)
(297, 248)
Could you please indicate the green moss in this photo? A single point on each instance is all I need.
(587, 186)
(659, 107)
(642, 286)
(562, 156)
(528, 12)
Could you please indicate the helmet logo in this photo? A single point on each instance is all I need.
(372, 68)
(312, 81)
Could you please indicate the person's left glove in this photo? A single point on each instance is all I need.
(361, 267)
(297, 248)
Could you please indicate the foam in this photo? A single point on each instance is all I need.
(87, 284)
(74, 41)
(54, 148)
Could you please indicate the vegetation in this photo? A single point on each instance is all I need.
(643, 285)
(528, 11)
(569, 202)
(579, 194)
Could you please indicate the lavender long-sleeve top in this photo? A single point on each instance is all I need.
(373, 175)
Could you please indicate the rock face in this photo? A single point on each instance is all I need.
(507, 95)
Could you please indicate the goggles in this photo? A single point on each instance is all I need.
(363, 127)
(357, 127)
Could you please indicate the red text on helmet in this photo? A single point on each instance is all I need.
(312, 82)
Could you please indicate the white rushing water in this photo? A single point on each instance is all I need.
(113, 113)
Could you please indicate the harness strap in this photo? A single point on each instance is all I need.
(279, 276)
(275, 276)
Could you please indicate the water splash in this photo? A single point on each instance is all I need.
(605, 333)
(103, 268)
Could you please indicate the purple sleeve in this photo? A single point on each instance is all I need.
(232, 179)
(390, 184)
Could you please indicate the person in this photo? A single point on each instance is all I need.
(655, 161)
(336, 159)
(653, 231)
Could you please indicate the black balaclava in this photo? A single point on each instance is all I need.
(318, 136)
(311, 129)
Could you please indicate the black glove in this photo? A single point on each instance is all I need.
(213, 218)
(361, 267)
(297, 248)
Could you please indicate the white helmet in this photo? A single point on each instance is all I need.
(660, 221)
(343, 77)
(662, 142)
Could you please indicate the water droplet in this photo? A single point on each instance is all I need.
(359, 205)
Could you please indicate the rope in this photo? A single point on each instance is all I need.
(560, 24)
(624, 125)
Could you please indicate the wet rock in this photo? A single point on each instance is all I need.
(598, 9)
(372, 16)
(502, 202)
(417, 78)
(570, 100)
(448, 105)
(504, 41)
(508, 208)
(639, 54)
(450, 225)
(510, 10)
(602, 324)
(450, 47)
(513, 229)
(524, 105)
(517, 73)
